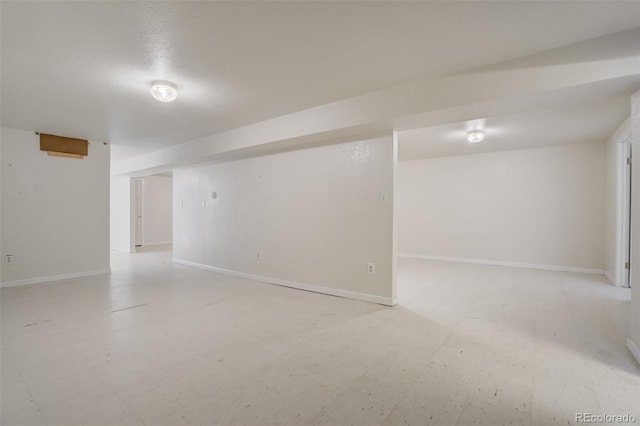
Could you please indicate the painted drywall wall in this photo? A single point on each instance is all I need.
(157, 210)
(535, 207)
(55, 211)
(634, 334)
(311, 219)
(121, 216)
(614, 200)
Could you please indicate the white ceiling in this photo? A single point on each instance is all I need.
(584, 122)
(83, 69)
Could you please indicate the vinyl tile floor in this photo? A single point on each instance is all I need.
(156, 343)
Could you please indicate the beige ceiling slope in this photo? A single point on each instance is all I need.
(561, 124)
(621, 50)
(515, 86)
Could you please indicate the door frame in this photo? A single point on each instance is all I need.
(138, 211)
(624, 214)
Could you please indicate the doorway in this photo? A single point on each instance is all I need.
(152, 210)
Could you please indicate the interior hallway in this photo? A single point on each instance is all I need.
(163, 344)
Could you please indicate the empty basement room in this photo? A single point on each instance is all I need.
(320, 213)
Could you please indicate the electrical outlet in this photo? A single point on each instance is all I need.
(258, 255)
(8, 259)
(204, 203)
(371, 268)
(214, 195)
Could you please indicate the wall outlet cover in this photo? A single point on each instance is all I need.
(371, 268)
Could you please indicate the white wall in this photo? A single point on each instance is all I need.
(157, 210)
(614, 181)
(538, 207)
(121, 216)
(313, 215)
(55, 211)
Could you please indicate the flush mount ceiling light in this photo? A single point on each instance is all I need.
(163, 91)
(475, 136)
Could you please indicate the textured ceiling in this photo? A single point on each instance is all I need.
(83, 69)
(584, 122)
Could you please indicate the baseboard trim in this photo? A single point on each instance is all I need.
(160, 243)
(49, 278)
(610, 278)
(508, 264)
(387, 301)
(122, 250)
(634, 349)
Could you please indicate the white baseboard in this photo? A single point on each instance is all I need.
(49, 278)
(122, 250)
(610, 277)
(634, 349)
(509, 264)
(160, 243)
(387, 301)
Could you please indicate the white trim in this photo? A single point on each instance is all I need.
(48, 278)
(132, 215)
(502, 263)
(160, 243)
(623, 220)
(394, 216)
(610, 277)
(634, 349)
(138, 196)
(388, 301)
(122, 250)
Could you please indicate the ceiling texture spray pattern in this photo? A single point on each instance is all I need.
(83, 69)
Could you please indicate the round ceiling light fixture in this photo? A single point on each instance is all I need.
(475, 136)
(163, 91)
